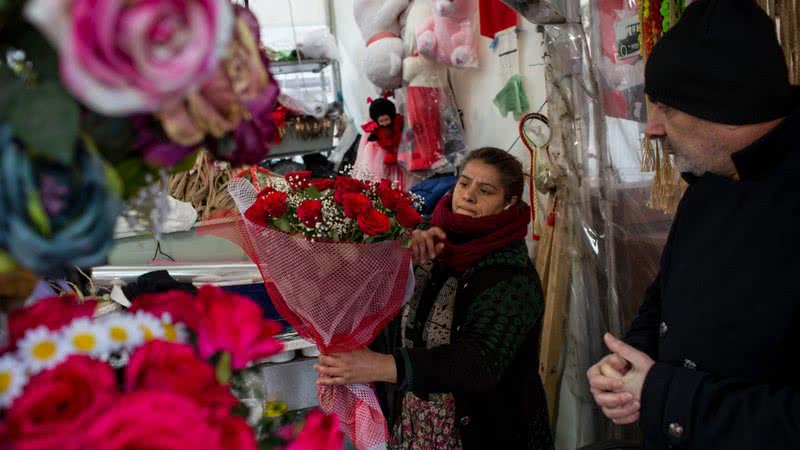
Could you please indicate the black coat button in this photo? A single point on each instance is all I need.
(675, 430)
(689, 364)
(464, 421)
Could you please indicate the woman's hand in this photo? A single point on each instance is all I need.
(358, 367)
(424, 246)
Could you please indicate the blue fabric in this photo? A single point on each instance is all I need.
(432, 190)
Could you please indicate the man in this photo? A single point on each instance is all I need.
(711, 360)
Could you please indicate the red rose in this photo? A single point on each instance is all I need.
(257, 213)
(407, 216)
(323, 184)
(52, 312)
(373, 222)
(180, 305)
(390, 198)
(166, 366)
(234, 324)
(355, 204)
(298, 180)
(320, 432)
(310, 212)
(58, 404)
(155, 419)
(346, 185)
(275, 204)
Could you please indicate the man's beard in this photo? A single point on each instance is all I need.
(682, 164)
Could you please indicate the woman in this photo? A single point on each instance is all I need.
(466, 369)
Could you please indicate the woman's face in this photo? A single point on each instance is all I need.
(479, 191)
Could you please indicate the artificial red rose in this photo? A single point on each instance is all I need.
(310, 212)
(320, 432)
(151, 419)
(166, 366)
(355, 204)
(407, 216)
(180, 305)
(374, 222)
(390, 198)
(298, 180)
(52, 312)
(323, 184)
(346, 185)
(234, 324)
(58, 403)
(275, 204)
(257, 213)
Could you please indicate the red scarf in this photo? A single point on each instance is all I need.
(471, 238)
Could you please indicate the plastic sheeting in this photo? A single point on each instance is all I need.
(615, 239)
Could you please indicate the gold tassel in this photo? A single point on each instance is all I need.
(668, 186)
(648, 155)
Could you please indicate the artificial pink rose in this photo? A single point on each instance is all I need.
(153, 420)
(57, 403)
(237, 434)
(52, 312)
(253, 136)
(320, 432)
(121, 57)
(166, 366)
(181, 306)
(235, 324)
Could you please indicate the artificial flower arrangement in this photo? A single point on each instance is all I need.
(102, 98)
(156, 376)
(335, 259)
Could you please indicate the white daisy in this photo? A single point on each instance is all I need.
(173, 331)
(42, 349)
(123, 332)
(87, 337)
(12, 380)
(149, 325)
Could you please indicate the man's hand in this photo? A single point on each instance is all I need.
(424, 246)
(358, 367)
(616, 381)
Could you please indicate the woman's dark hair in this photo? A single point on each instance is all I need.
(510, 169)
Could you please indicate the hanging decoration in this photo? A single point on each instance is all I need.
(655, 18)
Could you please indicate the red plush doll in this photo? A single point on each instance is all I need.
(386, 128)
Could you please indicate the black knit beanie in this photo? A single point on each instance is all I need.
(721, 62)
(382, 107)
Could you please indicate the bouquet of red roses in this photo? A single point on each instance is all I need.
(335, 261)
(156, 376)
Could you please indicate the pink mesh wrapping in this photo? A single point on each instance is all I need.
(338, 295)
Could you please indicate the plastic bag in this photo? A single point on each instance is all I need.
(449, 35)
(319, 44)
(433, 138)
(543, 11)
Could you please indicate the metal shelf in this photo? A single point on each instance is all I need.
(306, 65)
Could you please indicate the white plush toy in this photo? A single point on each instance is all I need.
(379, 22)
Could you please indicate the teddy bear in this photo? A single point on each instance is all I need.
(449, 35)
(379, 22)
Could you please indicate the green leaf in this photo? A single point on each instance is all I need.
(223, 368)
(10, 87)
(313, 193)
(407, 242)
(45, 119)
(113, 180)
(282, 224)
(114, 136)
(186, 163)
(39, 52)
(37, 214)
(133, 172)
(7, 263)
